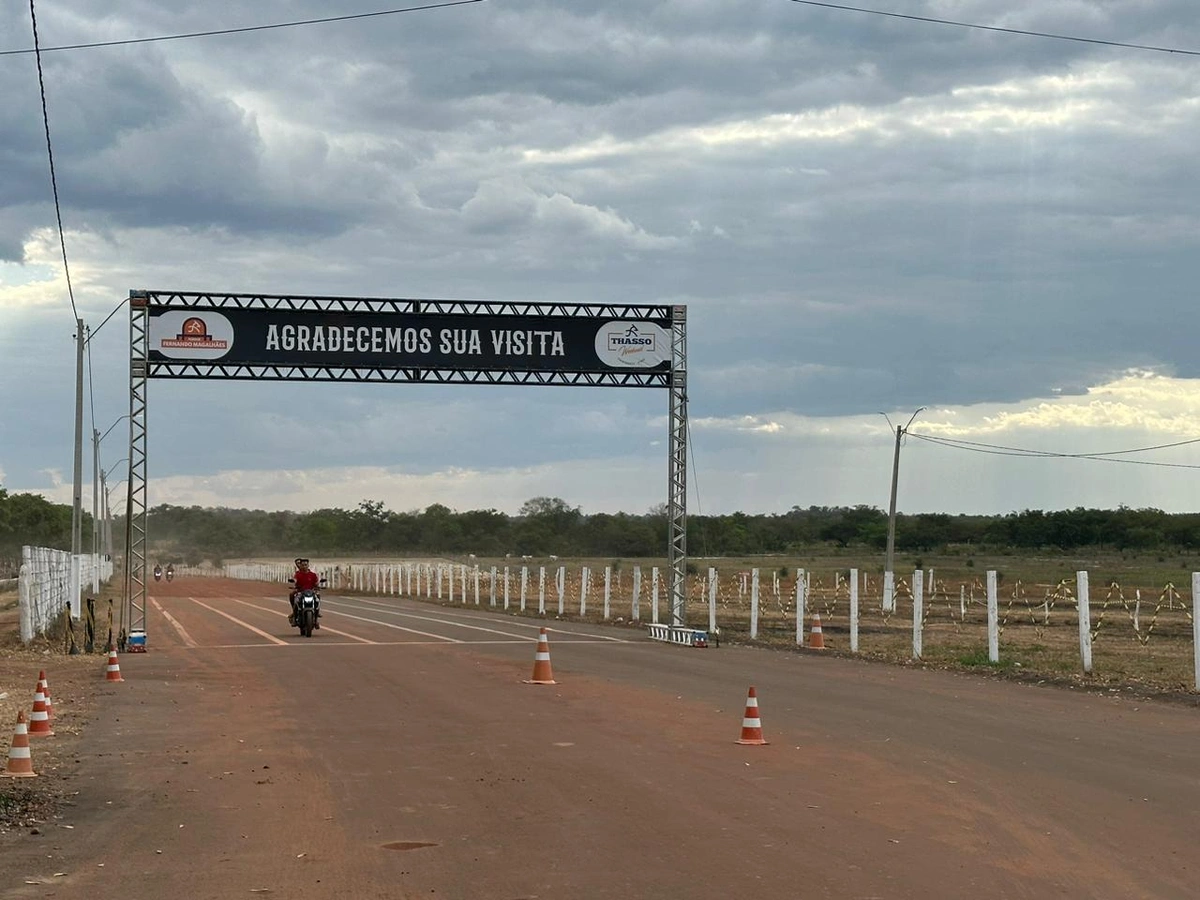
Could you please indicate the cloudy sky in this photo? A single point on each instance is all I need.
(863, 214)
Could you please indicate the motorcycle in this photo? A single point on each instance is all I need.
(170, 573)
(308, 608)
(158, 573)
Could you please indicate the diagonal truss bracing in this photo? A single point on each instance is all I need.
(243, 372)
(677, 465)
(135, 504)
(299, 303)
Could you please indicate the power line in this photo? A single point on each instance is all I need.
(994, 450)
(947, 440)
(50, 155)
(1020, 31)
(220, 31)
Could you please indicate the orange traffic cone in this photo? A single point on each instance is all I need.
(112, 671)
(39, 719)
(20, 764)
(751, 723)
(816, 640)
(542, 673)
(45, 686)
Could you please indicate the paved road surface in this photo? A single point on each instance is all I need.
(239, 758)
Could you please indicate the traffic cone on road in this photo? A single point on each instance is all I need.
(39, 719)
(816, 640)
(45, 686)
(112, 672)
(751, 723)
(20, 763)
(542, 674)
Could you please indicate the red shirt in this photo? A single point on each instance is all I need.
(305, 580)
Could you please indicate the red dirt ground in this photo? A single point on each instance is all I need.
(238, 757)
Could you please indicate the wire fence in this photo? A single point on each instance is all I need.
(1129, 628)
(45, 587)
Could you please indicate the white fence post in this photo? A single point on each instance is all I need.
(476, 574)
(712, 599)
(492, 599)
(506, 587)
(1196, 626)
(854, 610)
(801, 597)
(607, 592)
(654, 594)
(541, 590)
(635, 604)
(560, 584)
(753, 604)
(1085, 620)
(918, 590)
(889, 592)
(583, 590)
(993, 618)
(524, 585)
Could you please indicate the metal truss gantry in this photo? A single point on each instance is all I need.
(142, 368)
(677, 467)
(134, 616)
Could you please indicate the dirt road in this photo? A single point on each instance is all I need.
(239, 758)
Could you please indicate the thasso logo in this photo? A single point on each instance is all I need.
(632, 345)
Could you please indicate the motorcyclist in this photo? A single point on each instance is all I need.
(304, 579)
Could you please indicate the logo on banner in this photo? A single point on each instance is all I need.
(181, 334)
(194, 336)
(637, 345)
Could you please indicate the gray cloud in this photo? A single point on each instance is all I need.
(861, 213)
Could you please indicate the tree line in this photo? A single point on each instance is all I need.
(31, 519)
(550, 526)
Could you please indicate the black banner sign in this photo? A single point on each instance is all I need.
(395, 340)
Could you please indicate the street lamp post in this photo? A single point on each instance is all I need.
(97, 438)
(108, 489)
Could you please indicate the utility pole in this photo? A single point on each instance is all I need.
(105, 540)
(889, 566)
(95, 509)
(77, 502)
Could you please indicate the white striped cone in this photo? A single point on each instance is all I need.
(751, 723)
(39, 718)
(542, 673)
(20, 763)
(45, 686)
(816, 637)
(112, 672)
